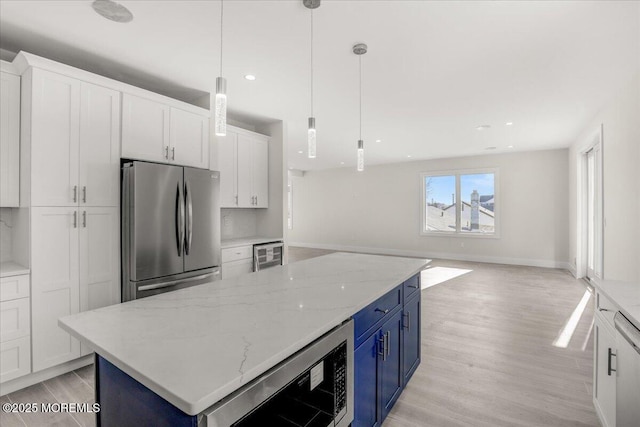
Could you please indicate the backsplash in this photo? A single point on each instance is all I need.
(237, 223)
(6, 224)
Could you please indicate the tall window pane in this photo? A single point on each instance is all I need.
(440, 203)
(477, 194)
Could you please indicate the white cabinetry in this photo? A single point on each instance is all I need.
(15, 345)
(237, 261)
(158, 132)
(604, 362)
(9, 140)
(243, 159)
(74, 134)
(74, 268)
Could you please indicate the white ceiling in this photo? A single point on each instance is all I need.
(434, 71)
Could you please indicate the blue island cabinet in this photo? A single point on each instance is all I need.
(387, 342)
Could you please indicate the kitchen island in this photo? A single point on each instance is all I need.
(195, 346)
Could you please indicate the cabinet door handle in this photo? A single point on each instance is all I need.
(173, 153)
(604, 309)
(256, 200)
(407, 325)
(75, 193)
(236, 200)
(609, 369)
(84, 219)
(84, 194)
(387, 346)
(75, 219)
(385, 311)
(381, 347)
(166, 152)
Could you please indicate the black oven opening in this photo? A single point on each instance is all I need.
(315, 398)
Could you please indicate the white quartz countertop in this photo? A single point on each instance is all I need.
(11, 268)
(626, 295)
(245, 241)
(197, 345)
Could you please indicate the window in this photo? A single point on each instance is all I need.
(460, 203)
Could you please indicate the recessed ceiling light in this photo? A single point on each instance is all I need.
(378, 140)
(508, 123)
(342, 163)
(250, 77)
(491, 148)
(300, 152)
(509, 146)
(112, 11)
(483, 127)
(408, 155)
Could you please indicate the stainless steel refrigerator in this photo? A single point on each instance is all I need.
(170, 228)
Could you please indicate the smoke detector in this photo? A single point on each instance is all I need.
(112, 11)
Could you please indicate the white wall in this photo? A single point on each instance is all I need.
(378, 210)
(620, 121)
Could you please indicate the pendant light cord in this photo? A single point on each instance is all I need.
(221, 20)
(360, 65)
(311, 62)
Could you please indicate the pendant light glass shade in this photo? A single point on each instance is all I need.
(311, 137)
(221, 106)
(360, 49)
(360, 155)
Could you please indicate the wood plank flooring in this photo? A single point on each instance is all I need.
(487, 355)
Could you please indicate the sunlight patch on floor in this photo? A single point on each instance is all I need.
(565, 335)
(434, 275)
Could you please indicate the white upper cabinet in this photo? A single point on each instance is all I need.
(145, 129)
(158, 132)
(9, 140)
(189, 139)
(99, 165)
(74, 133)
(227, 155)
(55, 135)
(243, 160)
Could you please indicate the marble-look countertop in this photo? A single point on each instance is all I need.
(195, 346)
(10, 268)
(626, 295)
(245, 241)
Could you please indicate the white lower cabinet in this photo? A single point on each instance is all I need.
(604, 380)
(237, 261)
(74, 268)
(15, 340)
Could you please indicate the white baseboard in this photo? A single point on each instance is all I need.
(46, 374)
(439, 255)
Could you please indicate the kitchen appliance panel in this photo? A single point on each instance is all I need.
(156, 218)
(202, 219)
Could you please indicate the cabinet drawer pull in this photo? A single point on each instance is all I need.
(385, 311)
(84, 194)
(604, 309)
(407, 325)
(173, 153)
(166, 152)
(84, 219)
(75, 193)
(413, 286)
(609, 369)
(75, 219)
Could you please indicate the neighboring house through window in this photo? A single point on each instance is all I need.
(460, 202)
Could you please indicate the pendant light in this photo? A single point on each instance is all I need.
(221, 90)
(360, 49)
(311, 130)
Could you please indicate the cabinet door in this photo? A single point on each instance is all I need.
(245, 172)
(189, 139)
(55, 129)
(145, 129)
(391, 365)
(604, 382)
(99, 167)
(260, 173)
(99, 254)
(9, 140)
(15, 358)
(228, 165)
(237, 268)
(54, 284)
(365, 377)
(411, 337)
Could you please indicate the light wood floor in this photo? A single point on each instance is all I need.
(487, 355)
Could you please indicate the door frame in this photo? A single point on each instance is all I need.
(595, 138)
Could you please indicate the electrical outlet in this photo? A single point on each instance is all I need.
(227, 222)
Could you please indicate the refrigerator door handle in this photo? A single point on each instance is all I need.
(189, 202)
(180, 221)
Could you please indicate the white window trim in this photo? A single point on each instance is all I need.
(457, 172)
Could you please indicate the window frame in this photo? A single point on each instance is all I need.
(458, 232)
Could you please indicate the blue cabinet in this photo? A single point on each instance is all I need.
(387, 351)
